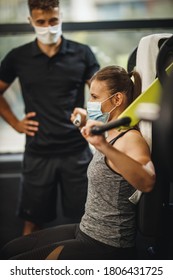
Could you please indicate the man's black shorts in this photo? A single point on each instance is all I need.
(41, 177)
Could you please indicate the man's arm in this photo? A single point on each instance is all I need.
(26, 125)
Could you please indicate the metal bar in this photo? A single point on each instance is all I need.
(20, 28)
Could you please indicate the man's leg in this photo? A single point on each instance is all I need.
(74, 183)
(38, 193)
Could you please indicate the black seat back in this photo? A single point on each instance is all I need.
(152, 241)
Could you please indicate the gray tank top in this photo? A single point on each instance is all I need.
(109, 215)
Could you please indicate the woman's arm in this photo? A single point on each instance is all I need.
(131, 158)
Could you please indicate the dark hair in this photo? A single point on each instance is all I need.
(42, 4)
(118, 80)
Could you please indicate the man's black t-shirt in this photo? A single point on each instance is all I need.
(52, 87)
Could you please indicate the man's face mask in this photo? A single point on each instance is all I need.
(94, 111)
(48, 35)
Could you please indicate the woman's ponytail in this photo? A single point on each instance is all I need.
(137, 84)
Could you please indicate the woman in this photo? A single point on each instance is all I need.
(121, 166)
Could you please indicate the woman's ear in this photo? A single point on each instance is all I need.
(118, 99)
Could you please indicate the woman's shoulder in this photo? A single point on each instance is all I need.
(134, 140)
(128, 133)
(133, 132)
(123, 134)
(133, 135)
(130, 139)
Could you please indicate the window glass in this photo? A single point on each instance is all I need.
(110, 47)
(93, 10)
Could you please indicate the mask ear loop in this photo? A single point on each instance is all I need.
(112, 108)
(109, 97)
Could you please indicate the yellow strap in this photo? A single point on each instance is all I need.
(151, 95)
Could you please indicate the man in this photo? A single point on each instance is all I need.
(52, 72)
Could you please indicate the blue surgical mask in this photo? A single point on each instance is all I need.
(94, 111)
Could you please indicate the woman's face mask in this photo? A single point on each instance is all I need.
(48, 35)
(94, 111)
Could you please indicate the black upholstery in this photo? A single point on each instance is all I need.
(131, 63)
(155, 217)
(164, 124)
(164, 58)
